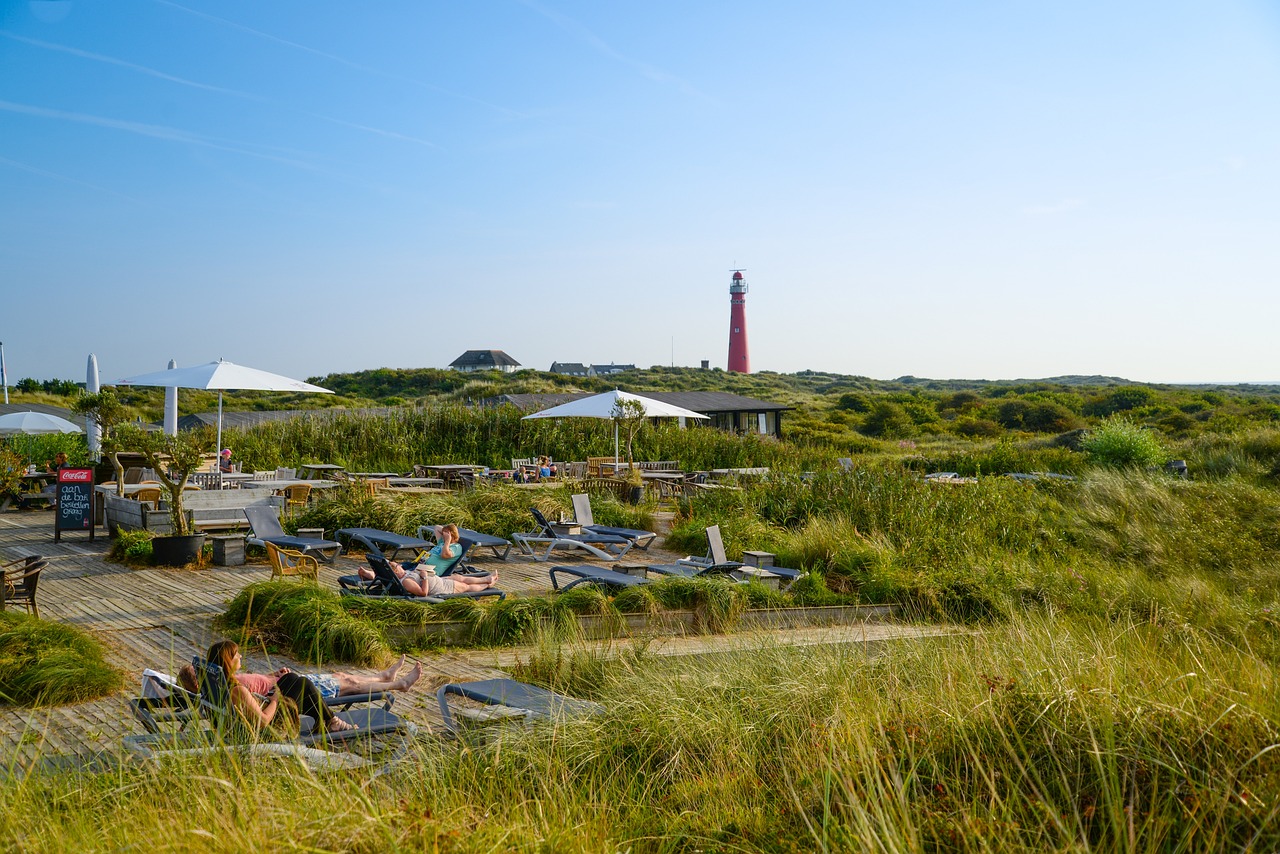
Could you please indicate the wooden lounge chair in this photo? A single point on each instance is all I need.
(534, 703)
(603, 546)
(265, 524)
(582, 513)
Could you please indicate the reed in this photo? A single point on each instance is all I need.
(1039, 734)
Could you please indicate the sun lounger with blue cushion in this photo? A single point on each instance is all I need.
(717, 562)
(536, 703)
(582, 513)
(387, 542)
(596, 575)
(501, 548)
(385, 583)
(603, 546)
(264, 521)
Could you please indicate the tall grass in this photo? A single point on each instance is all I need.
(44, 663)
(1037, 735)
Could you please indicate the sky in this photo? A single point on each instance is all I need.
(983, 190)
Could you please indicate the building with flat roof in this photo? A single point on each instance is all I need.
(731, 412)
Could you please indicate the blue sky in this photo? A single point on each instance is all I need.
(979, 190)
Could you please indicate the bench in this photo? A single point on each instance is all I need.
(213, 510)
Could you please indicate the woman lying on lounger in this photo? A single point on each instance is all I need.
(300, 695)
(421, 579)
(329, 685)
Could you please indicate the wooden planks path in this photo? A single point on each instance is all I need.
(160, 618)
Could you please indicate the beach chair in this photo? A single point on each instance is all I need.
(380, 739)
(289, 562)
(163, 702)
(19, 580)
(265, 524)
(717, 563)
(582, 514)
(389, 544)
(597, 575)
(385, 583)
(531, 702)
(603, 546)
(501, 548)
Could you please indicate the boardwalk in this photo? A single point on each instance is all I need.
(160, 618)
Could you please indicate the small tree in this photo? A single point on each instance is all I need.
(174, 459)
(108, 413)
(629, 417)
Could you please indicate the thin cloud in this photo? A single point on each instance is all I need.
(338, 59)
(182, 81)
(35, 170)
(141, 69)
(573, 27)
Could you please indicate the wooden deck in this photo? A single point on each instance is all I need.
(160, 618)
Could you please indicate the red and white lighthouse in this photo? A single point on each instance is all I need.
(739, 361)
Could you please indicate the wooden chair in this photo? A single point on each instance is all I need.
(151, 494)
(296, 497)
(285, 562)
(18, 581)
(593, 465)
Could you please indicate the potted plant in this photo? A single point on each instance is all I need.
(174, 459)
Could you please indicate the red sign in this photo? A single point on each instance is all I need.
(75, 476)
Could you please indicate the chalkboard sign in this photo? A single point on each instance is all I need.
(75, 502)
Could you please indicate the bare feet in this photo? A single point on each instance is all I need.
(493, 579)
(391, 672)
(407, 681)
(337, 724)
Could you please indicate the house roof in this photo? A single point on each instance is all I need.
(699, 401)
(483, 358)
(47, 409)
(612, 368)
(568, 367)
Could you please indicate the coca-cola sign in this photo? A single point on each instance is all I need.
(75, 476)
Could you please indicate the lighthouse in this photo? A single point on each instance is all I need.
(739, 361)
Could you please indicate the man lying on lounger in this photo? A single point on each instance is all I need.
(422, 580)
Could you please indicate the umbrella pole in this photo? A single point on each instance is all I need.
(218, 450)
(615, 444)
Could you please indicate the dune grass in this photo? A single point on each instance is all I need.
(43, 663)
(1037, 734)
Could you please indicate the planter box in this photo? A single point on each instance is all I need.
(228, 549)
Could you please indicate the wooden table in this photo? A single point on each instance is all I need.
(401, 482)
(373, 474)
(285, 484)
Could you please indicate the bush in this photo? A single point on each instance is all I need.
(49, 664)
(1120, 443)
(132, 546)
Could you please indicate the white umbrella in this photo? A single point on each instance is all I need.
(602, 406)
(222, 375)
(35, 422)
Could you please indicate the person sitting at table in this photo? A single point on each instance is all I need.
(546, 468)
(59, 463)
(420, 579)
(224, 461)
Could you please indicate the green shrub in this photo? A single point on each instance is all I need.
(50, 664)
(132, 546)
(1120, 443)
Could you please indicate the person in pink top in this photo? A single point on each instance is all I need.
(329, 685)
